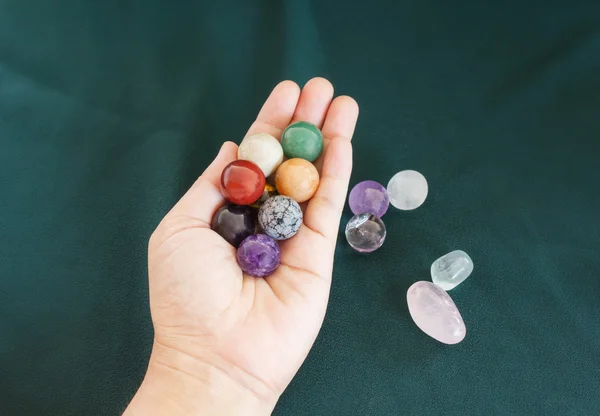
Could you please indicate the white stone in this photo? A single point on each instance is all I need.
(407, 190)
(435, 313)
(451, 269)
(263, 150)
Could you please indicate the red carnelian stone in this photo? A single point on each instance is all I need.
(242, 182)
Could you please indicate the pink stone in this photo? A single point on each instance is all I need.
(435, 313)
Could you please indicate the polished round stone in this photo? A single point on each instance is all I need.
(280, 217)
(242, 182)
(369, 196)
(269, 191)
(303, 140)
(298, 179)
(262, 149)
(365, 232)
(451, 269)
(234, 223)
(407, 190)
(258, 255)
(435, 313)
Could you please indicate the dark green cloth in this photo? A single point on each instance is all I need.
(110, 109)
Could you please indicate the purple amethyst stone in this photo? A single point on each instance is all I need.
(369, 196)
(258, 255)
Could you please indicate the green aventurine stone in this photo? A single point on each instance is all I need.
(303, 140)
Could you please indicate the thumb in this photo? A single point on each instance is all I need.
(204, 197)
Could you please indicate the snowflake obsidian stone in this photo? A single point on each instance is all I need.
(280, 217)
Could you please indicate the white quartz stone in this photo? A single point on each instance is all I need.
(451, 269)
(435, 313)
(262, 149)
(407, 190)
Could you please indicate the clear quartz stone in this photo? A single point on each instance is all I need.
(407, 190)
(365, 232)
(451, 269)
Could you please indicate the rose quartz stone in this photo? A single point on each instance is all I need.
(435, 313)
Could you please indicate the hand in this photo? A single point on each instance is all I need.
(225, 342)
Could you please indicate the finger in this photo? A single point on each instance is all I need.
(278, 110)
(341, 118)
(325, 208)
(340, 122)
(312, 247)
(204, 197)
(314, 101)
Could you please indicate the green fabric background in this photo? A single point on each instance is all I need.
(109, 110)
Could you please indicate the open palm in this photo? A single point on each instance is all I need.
(256, 331)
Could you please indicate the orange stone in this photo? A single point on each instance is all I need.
(298, 179)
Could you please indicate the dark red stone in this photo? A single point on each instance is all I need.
(242, 182)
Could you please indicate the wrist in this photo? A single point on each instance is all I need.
(178, 384)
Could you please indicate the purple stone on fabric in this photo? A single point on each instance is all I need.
(258, 255)
(369, 196)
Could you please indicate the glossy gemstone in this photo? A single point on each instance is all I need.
(298, 179)
(258, 255)
(451, 269)
(435, 313)
(369, 196)
(234, 223)
(303, 140)
(280, 217)
(407, 190)
(242, 182)
(365, 232)
(262, 149)
(267, 193)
